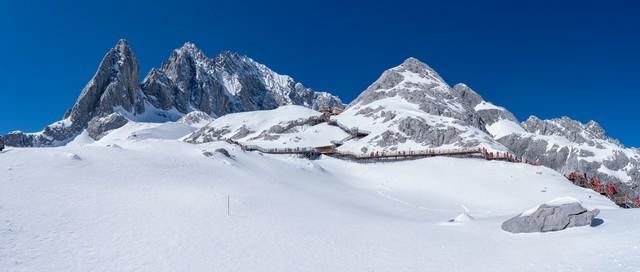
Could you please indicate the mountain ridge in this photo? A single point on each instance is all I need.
(115, 95)
(409, 106)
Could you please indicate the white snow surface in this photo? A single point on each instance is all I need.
(154, 203)
(554, 202)
(259, 123)
(504, 127)
(484, 105)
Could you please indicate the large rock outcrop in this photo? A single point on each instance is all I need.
(551, 217)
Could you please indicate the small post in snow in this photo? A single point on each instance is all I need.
(228, 203)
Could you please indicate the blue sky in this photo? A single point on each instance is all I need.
(544, 58)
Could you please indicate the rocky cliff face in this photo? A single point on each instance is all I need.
(188, 81)
(225, 84)
(114, 87)
(568, 145)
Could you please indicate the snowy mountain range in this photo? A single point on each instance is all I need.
(188, 81)
(410, 107)
(176, 172)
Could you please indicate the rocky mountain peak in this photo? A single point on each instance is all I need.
(113, 88)
(595, 129)
(566, 127)
(467, 95)
(232, 62)
(122, 46)
(414, 65)
(413, 79)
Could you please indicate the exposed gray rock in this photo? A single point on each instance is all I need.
(551, 218)
(211, 133)
(207, 134)
(576, 150)
(196, 119)
(242, 132)
(225, 84)
(419, 131)
(224, 152)
(467, 95)
(18, 138)
(566, 127)
(99, 126)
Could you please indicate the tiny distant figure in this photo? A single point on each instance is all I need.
(1, 143)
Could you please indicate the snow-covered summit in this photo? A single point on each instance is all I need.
(411, 107)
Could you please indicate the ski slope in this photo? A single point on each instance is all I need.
(154, 203)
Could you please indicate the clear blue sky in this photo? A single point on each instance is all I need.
(546, 58)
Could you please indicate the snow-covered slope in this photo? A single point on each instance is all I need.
(287, 126)
(123, 203)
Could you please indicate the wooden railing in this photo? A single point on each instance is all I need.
(610, 190)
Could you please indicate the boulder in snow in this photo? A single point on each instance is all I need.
(224, 152)
(555, 215)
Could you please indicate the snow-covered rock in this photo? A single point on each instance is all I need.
(196, 119)
(555, 215)
(286, 126)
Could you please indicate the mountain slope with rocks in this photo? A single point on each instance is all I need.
(188, 81)
(411, 107)
(568, 145)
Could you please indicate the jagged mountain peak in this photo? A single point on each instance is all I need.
(189, 48)
(232, 55)
(566, 127)
(595, 128)
(410, 74)
(233, 62)
(416, 66)
(122, 45)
